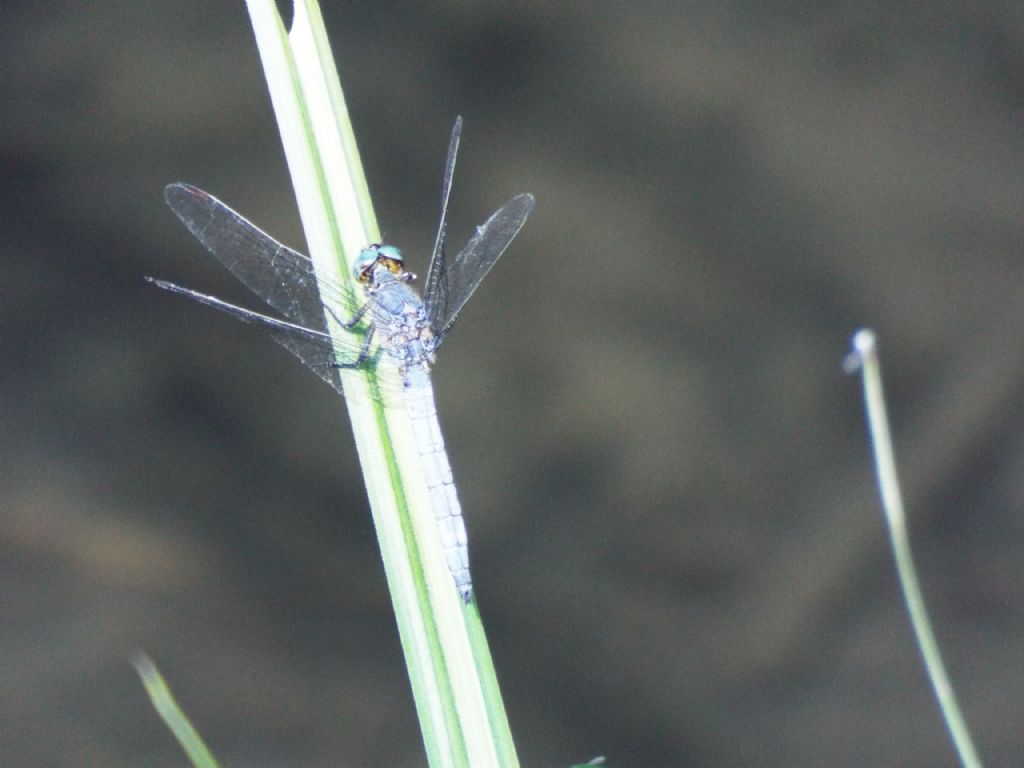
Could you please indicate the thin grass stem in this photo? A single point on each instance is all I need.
(865, 358)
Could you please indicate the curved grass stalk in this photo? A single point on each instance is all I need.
(865, 358)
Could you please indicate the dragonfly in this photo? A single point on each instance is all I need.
(382, 320)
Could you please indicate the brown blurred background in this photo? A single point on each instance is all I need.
(675, 536)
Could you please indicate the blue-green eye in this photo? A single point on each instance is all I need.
(371, 255)
(365, 261)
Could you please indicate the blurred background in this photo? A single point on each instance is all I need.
(676, 542)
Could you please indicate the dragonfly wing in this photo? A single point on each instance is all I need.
(319, 351)
(282, 277)
(459, 279)
(436, 284)
(320, 359)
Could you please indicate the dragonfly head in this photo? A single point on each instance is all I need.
(386, 256)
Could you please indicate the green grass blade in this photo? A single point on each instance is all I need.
(452, 677)
(169, 711)
(338, 220)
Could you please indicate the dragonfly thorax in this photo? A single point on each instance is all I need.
(400, 319)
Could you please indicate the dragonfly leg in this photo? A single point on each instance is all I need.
(364, 351)
(355, 317)
(349, 324)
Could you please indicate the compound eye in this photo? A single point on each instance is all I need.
(391, 253)
(364, 262)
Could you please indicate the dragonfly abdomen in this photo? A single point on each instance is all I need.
(437, 471)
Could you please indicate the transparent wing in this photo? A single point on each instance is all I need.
(436, 284)
(283, 278)
(314, 348)
(454, 282)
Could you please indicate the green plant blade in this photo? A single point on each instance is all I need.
(172, 715)
(452, 677)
